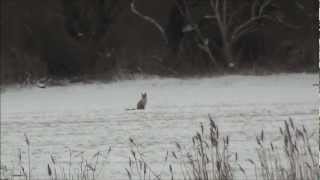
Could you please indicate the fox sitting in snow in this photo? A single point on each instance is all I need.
(142, 102)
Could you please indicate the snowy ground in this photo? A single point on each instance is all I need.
(92, 117)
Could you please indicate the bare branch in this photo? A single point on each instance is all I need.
(217, 6)
(180, 8)
(224, 15)
(204, 43)
(254, 8)
(206, 49)
(150, 20)
(280, 21)
(237, 31)
(243, 32)
(235, 13)
(263, 6)
(245, 27)
(241, 29)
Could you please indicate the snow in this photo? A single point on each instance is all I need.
(92, 117)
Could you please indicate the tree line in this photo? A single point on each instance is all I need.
(103, 38)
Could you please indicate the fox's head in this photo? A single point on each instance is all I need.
(144, 95)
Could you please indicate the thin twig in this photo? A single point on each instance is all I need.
(150, 20)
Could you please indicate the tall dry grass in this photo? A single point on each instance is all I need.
(207, 157)
(73, 169)
(85, 169)
(293, 159)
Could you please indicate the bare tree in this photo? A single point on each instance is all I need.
(230, 27)
(226, 18)
(231, 34)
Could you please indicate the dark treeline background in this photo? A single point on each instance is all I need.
(103, 38)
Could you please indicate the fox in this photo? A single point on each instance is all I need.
(141, 105)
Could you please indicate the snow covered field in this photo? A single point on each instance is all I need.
(92, 117)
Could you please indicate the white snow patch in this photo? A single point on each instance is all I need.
(90, 117)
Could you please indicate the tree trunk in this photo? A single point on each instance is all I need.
(226, 44)
(227, 50)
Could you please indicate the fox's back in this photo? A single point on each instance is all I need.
(143, 101)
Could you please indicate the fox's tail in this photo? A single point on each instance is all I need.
(131, 109)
